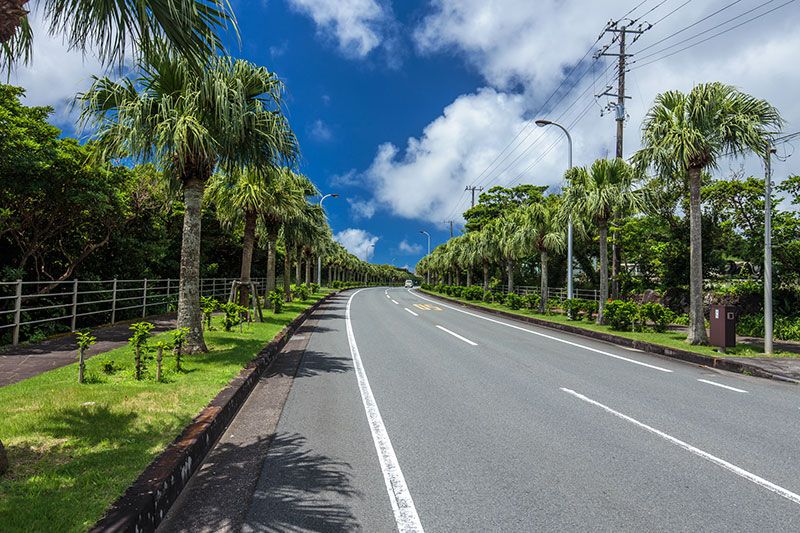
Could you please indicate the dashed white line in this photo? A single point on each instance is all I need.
(595, 350)
(456, 335)
(410, 311)
(405, 514)
(791, 496)
(395, 302)
(721, 385)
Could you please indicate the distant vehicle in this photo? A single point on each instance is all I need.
(409, 284)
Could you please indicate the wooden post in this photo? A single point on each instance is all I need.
(17, 312)
(168, 282)
(74, 303)
(114, 302)
(158, 362)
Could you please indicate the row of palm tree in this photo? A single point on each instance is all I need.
(683, 136)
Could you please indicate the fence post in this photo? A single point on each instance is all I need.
(213, 287)
(74, 303)
(144, 298)
(17, 312)
(167, 298)
(114, 302)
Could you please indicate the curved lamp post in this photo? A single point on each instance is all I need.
(319, 257)
(427, 270)
(542, 123)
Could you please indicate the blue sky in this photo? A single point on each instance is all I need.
(399, 104)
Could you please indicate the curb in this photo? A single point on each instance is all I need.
(145, 503)
(673, 353)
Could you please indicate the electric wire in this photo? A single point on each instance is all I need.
(670, 36)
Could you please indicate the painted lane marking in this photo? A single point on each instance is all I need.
(405, 514)
(595, 350)
(388, 296)
(456, 335)
(410, 311)
(395, 302)
(427, 307)
(721, 385)
(791, 496)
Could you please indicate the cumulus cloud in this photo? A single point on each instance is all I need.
(410, 248)
(347, 179)
(524, 50)
(358, 26)
(358, 242)
(361, 209)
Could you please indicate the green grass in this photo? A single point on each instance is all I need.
(75, 448)
(670, 339)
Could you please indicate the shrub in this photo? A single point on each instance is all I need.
(472, 293)
(531, 301)
(572, 308)
(784, 328)
(276, 301)
(84, 340)
(426, 287)
(234, 314)
(313, 288)
(208, 305)
(300, 291)
(552, 303)
(660, 316)
(488, 297)
(178, 340)
(141, 334)
(589, 309)
(457, 291)
(513, 301)
(438, 288)
(681, 320)
(621, 314)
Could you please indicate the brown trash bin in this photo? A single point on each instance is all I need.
(723, 326)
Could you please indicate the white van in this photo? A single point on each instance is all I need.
(409, 284)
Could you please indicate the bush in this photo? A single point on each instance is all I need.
(589, 309)
(457, 291)
(513, 301)
(276, 301)
(472, 293)
(784, 328)
(660, 316)
(531, 301)
(438, 288)
(550, 304)
(621, 314)
(488, 297)
(141, 334)
(572, 308)
(234, 314)
(314, 288)
(300, 291)
(208, 305)
(426, 287)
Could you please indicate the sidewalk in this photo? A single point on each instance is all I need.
(28, 360)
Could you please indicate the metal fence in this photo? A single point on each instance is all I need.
(69, 305)
(558, 293)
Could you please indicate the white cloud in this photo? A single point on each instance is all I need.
(350, 178)
(56, 74)
(410, 248)
(320, 131)
(358, 26)
(523, 50)
(358, 242)
(361, 209)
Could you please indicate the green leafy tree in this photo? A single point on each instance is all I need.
(85, 340)
(543, 231)
(189, 123)
(686, 133)
(498, 201)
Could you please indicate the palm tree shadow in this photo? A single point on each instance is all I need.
(301, 490)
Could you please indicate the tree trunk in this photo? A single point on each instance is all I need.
(510, 270)
(309, 259)
(469, 277)
(287, 283)
(458, 277)
(603, 227)
(697, 326)
(248, 244)
(615, 267)
(11, 15)
(298, 266)
(270, 264)
(189, 313)
(485, 275)
(543, 281)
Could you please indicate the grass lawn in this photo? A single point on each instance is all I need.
(670, 339)
(74, 449)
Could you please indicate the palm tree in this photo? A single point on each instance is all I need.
(685, 134)
(488, 249)
(596, 196)
(190, 123)
(507, 229)
(111, 27)
(542, 229)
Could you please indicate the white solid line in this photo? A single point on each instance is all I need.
(654, 367)
(405, 514)
(410, 311)
(456, 335)
(721, 385)
(395, 302)
(791, 496)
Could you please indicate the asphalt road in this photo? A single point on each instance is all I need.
(412, 414)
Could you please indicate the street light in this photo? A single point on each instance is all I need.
(542, 123)
(319, 257)
(427, 269)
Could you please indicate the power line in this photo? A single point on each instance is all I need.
(714, 35)
(672, 12)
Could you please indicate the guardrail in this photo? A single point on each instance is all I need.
(85, 302)
(559, 293)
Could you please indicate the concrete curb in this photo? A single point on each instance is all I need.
(147, 500)
(674, 353)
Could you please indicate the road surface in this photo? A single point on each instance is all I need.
(410, 414)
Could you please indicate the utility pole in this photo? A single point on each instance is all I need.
(768, 249)
(620, 30)
(473, 189)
